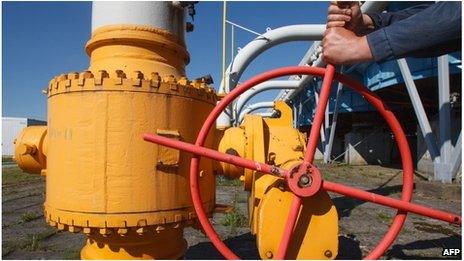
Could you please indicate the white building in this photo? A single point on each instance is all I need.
(11, 127)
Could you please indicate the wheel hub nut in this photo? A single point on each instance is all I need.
(305, 181)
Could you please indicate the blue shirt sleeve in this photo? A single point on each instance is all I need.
(420, 31)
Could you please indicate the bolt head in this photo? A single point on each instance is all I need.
(328, 253)
(305, 181)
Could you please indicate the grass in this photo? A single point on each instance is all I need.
(234, 219)
(12, 175)
(33, 241)
(72, 254)
(7, 159)
(383, 217)
(223, 181)
(29, 216)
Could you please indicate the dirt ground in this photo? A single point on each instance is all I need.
(25, 235)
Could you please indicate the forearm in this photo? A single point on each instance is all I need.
(379, 20)
(419, 35)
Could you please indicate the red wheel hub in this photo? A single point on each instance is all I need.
(305, 180)
(304, 183)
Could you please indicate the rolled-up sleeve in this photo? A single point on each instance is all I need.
(432, 31)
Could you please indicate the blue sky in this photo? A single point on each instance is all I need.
(44, 39)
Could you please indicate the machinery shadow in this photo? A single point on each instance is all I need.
(346, 204)
(245, 247)
(397, 251)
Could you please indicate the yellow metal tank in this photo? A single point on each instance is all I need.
(130, 198)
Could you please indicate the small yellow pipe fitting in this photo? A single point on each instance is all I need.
(31, 149)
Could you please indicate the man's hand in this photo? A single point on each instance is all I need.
(348, 14)
(342, 46)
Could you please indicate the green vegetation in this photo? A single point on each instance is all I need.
(72, 254)
(6, 159)
(223, 181)
(32, 242)
(383, 217)
(234, 219)
(12, 175)
(29, 216)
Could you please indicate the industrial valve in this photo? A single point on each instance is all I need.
(298, 190)
(130, 199)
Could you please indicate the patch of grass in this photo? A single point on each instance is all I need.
(7, 248)
(72, 254)
(223, 181)
(7, 159)
(383, 217)
(33, 241)
(29, 216)
(13, 175)
(234, 219)
(435, 228)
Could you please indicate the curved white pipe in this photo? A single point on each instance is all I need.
(260, 44)
(264, 114)
(301, 32)
(269, 85)
(254, 107)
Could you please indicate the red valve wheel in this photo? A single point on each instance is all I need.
(329, 74)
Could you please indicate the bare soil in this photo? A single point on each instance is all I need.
(25, 235)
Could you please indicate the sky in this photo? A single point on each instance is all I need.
(43, 39)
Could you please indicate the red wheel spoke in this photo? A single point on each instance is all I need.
(391, 202)
(308, 158)
(314, 134)
(289, 226)
(215, 155)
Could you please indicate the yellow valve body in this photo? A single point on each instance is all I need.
(276, 142)
(130, 197)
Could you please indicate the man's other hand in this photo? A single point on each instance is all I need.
(348, 14)
(342, 46)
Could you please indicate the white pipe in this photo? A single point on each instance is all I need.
(328, 150)
(223, 121)
(269, 85)
(166, 15)
(254, 107)
(302, 32)
(444, 120)
(264, 114)
(260, 44)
